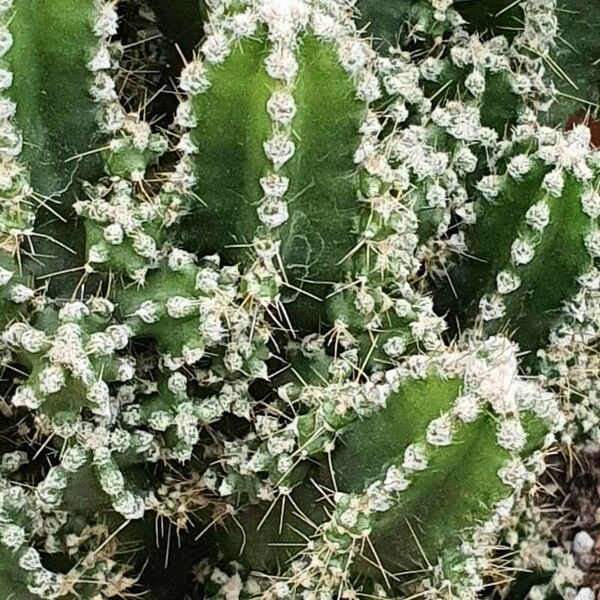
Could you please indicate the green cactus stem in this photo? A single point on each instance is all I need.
(530, 264)
(248, 354)
(58, 76)
(398, 504)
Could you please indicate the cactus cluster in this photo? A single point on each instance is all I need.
(308, 325)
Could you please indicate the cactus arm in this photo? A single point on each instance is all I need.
(535, 264)
(497, 450)
(21, 571)
(319, 172)
(72, 358)
(427, 525)
(380, 487)
(23, 575)
(292, 126)
(57, 87)
(553, 275)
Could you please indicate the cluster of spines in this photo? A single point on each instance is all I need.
(23, 525)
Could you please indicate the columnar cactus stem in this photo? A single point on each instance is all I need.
(59, 74)
(292, 149)
(284, 182)
(534, 244)
(382, 521)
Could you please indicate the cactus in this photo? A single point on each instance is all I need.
(231, 324)
(534, 241)
(394, 522)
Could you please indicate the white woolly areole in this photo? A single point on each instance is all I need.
(287, 10)
(494, 376)
(491, 307)
(107, 19)
(590, 202)
(507, 282)
(511, 435)
(5, 276)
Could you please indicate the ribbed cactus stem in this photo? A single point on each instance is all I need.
(283, 189)
(59, 77)
(382, 520)
(71, 351)
(534, 244)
